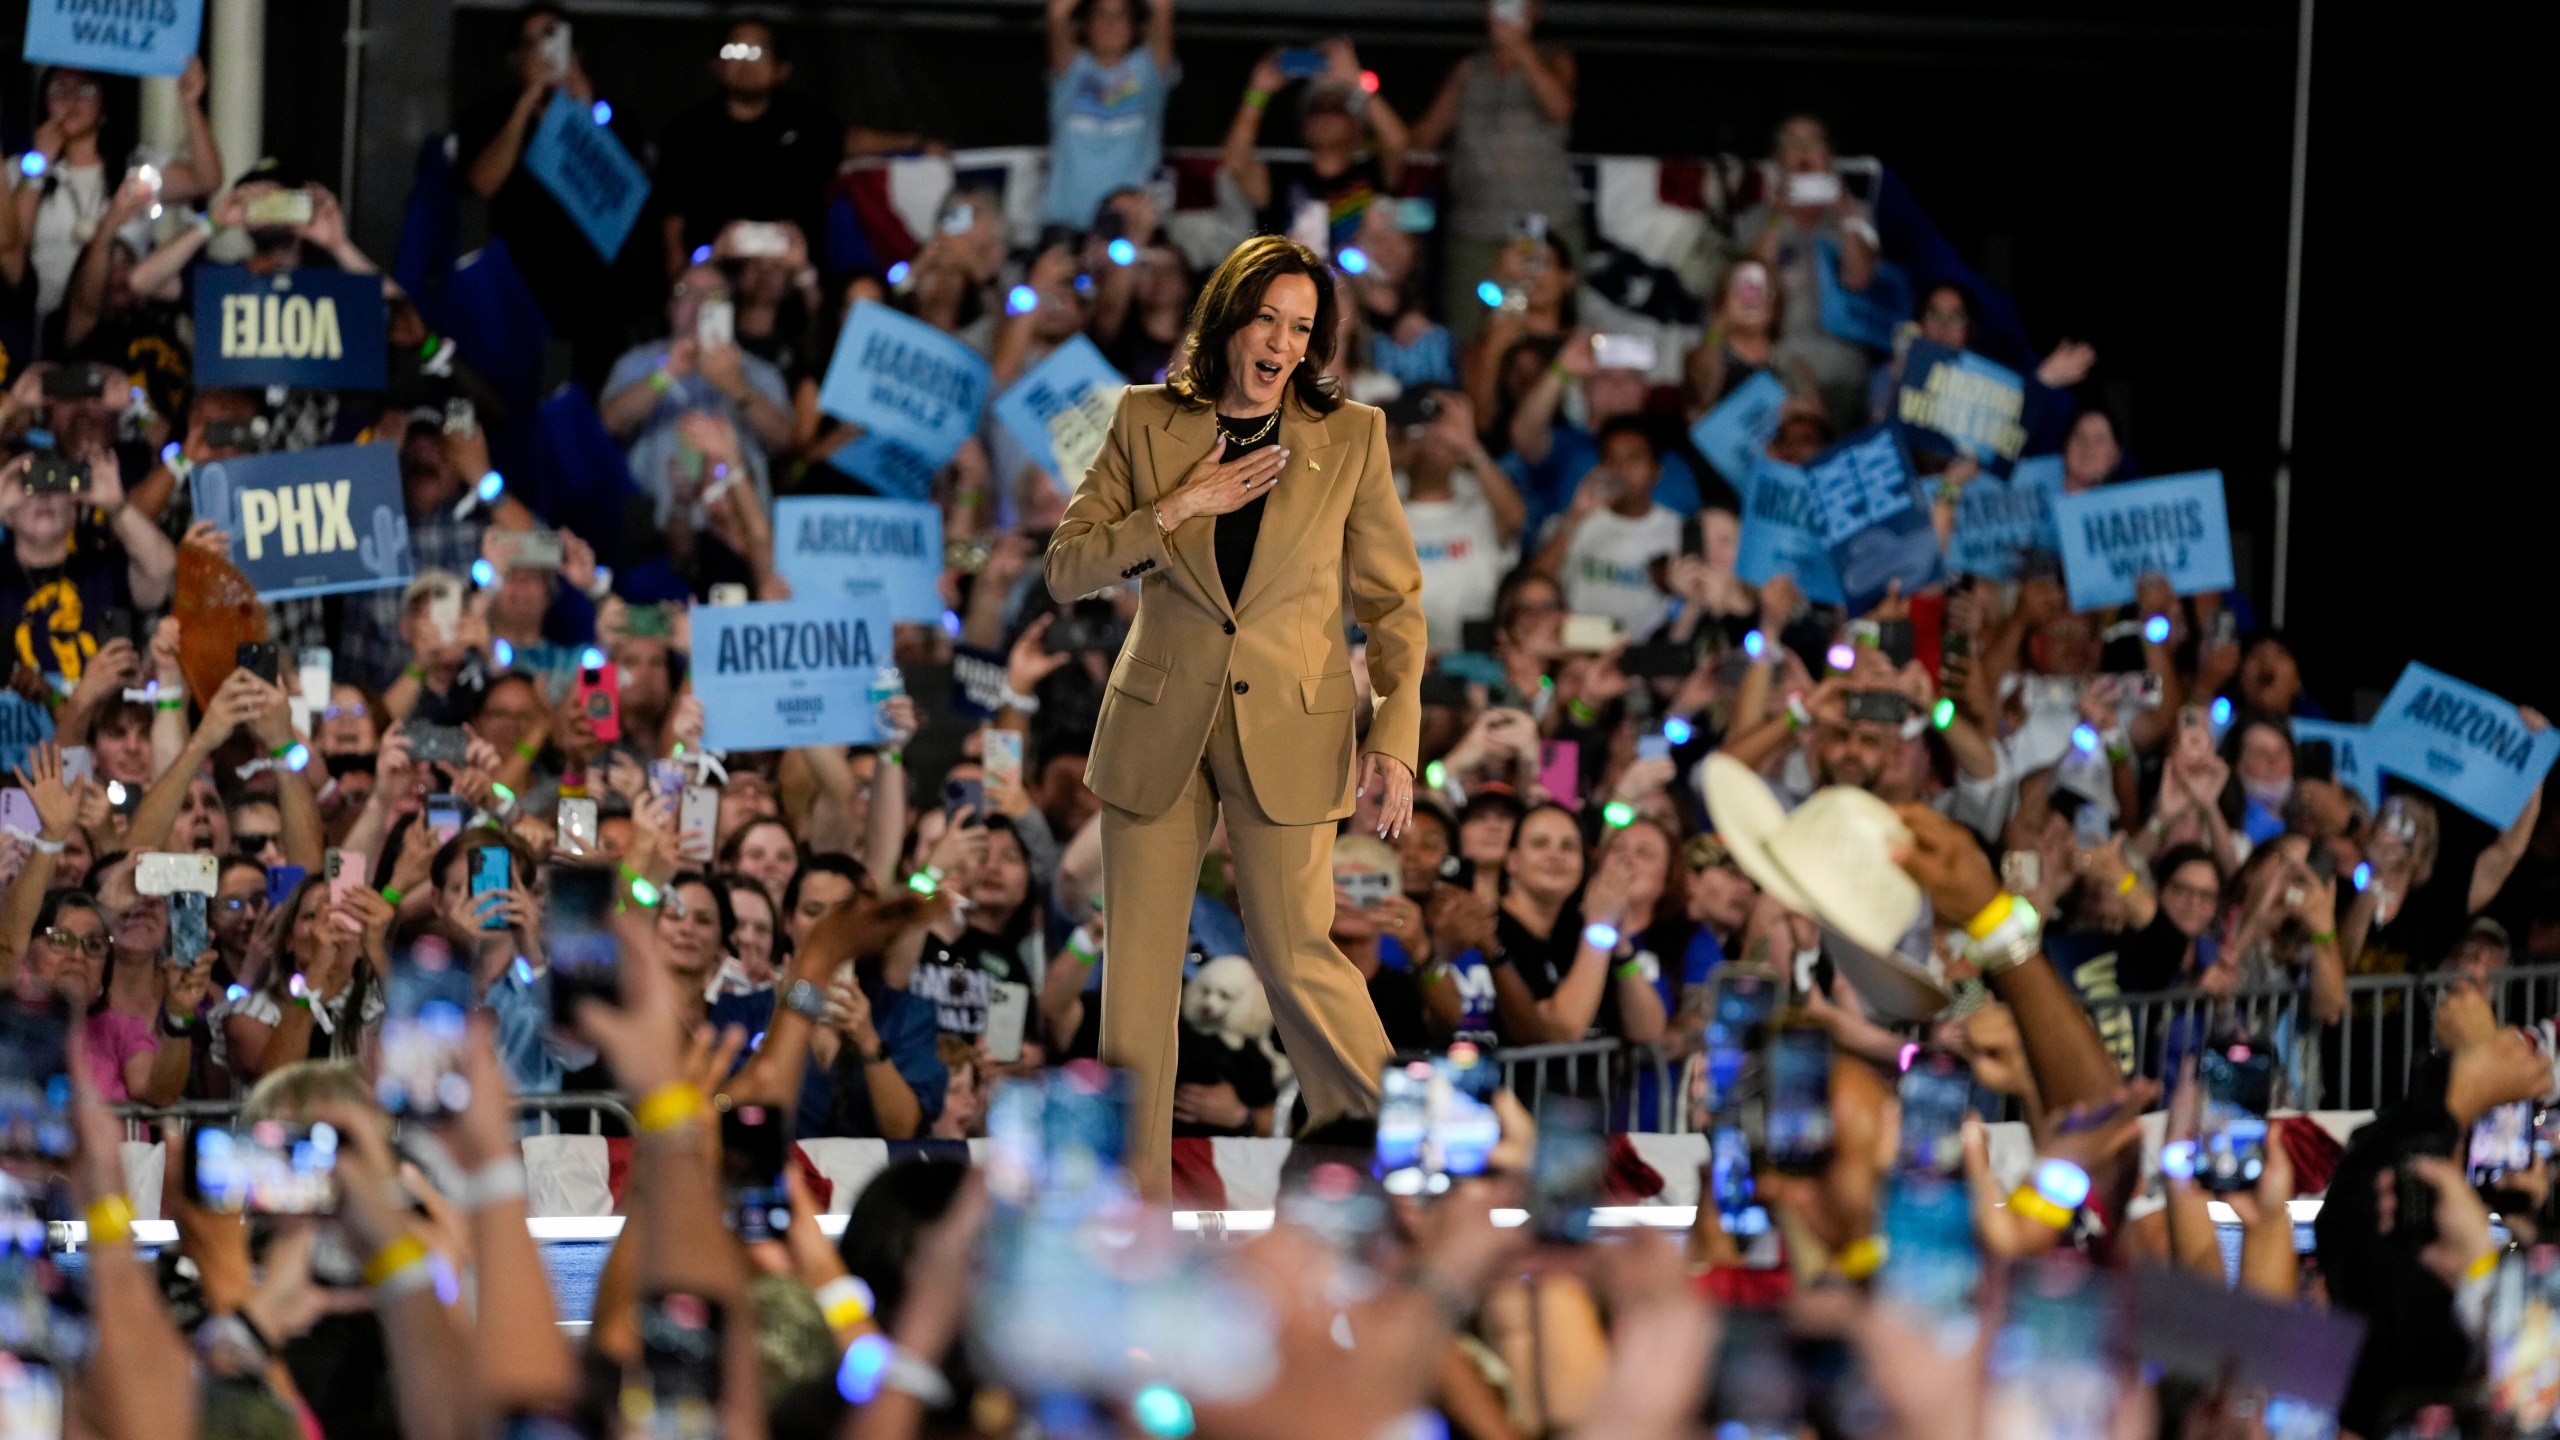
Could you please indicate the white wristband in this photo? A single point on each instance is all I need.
(498, 1180)
(1027, 704)
(912, 1374)
(37, 843)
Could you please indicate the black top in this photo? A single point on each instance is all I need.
(1239, 528)
(713, 168)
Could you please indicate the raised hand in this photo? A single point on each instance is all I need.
(41, 778)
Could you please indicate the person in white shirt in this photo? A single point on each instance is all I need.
(1603, 550)
(1464, 515)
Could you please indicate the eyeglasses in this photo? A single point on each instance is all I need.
(344, 712)
(71, 90)
(62, 939)
(2202, 894)
(240, 904)
(249, 842)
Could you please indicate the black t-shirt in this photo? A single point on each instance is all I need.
(1398, 999)
(959, 977)
(713, 169)
(1202, 1059)
(1543, 964)
(1239, 528)
(563, 270)
(55, 612)
(1345, 197)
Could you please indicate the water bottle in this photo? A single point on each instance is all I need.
(886, 685)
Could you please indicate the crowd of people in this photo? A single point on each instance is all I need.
(904, 941)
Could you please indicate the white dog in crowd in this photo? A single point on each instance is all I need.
(1223, 999)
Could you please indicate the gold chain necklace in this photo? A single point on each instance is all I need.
(1256, 437)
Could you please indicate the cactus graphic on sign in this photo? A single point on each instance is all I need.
(216, 500)
(385, 552)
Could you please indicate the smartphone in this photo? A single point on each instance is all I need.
(53, 473)
(1737, 1197)
(697, 822)
(1458, 870)
(1737, 1027)
(576, 819)
(715, 325)
(2053, 1367)
(437, 744)
(1560, 771)
(267, 1167)
(444, 611)
(426, 1011)
(1564, 1174)
(758, 240)
(1001, 757)
(315, 671)
(533, 549)
(681, 1339)
(667, 778)
(1653, 747)
(1799, 1123)
(1931, 1263)
(1814, 189)
(1624, 352)
(35, 1077)
(1301, 62)
(74, 380)
(553, 48)
(2502, 1143)
(259, 658)
(600, 698)
(1008, 1016)
(586, 964)
(755, 1143)
(160, 872)
(236, 435)
(2231, 1135)
(2524, 1341)
(346, 872)
(2141, 689)
(279, 209)
(1897, 640)
(1877, 707)
(1509, 12)
(1435, 1121)
(1589, 634)
(445, 815)
(282, 881)
(189, 934)
(18, 812)
(1369, 889)
(961, 793)
(2315, 760)
(2397, 820)
(79, 763)
(492, 873)
(1937, 1095)
(2092, 826)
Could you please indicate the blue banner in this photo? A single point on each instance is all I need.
(781, 675)
(127, 37)
(1061, 409)
(828, 546)
(1954, 402)
(1734, 435)
(586, 169)
(905, 382)
(316, 329)
(2174, 527)
(2351, 752)
(1780, 535)
(23, 725)
(1862, 317)
(1996, 522)
(1870, 512)
(311, 522)
(2463, 743)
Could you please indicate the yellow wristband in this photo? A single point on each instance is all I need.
(393, 1258)
(1862, 1257)
(668, 1107)
(2026, 1201)
(110, 1220)
(1989, 917)
(845, 1302)
(2486, 1265)
(2128, 883)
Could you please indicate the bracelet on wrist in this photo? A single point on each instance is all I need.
(392, 1259)
(110, 1221)
(1256, 99)
(1862, 1257)
(926, 881)
(669, 1107)
(499, 1180)
(2485, 1266)
(845, 1301)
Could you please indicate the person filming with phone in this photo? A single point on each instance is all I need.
(1246, 495)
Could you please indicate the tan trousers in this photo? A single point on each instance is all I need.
(1284, 882)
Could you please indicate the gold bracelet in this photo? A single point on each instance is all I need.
(110, 1220)
(2028, 1201)
(1862, 1257)
(669, 1107)
(393, 1258)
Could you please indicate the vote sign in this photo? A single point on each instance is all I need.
(311, 522)
(316, 329)
(795, 672)
(125, 37)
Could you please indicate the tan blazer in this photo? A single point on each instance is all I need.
(1332, 516)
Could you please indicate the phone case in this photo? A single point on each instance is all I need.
(188, 935)
(164, 873)
(697, 822)
(1008, 1013)
(577, 825)
(18, 812)
(1002, 757)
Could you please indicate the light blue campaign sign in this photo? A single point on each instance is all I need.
(796, 672)
(884, 465)
(904, 381)
(2174, 527)
(1862, 317)
(2463, 743)
(1997, 521)
(128, 37)
(2352, 759)
(577, 159)
(1780, 535)
(828, 546)
(311, 522)
(1869, 510)
(1954, 402)
(1735, 434)
(1061, 410)
(24, 724)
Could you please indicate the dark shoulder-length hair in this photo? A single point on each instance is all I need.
(1229, 301)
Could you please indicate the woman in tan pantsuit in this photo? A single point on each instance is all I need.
(1244, 497)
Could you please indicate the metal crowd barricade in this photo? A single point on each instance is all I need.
(598, 1104)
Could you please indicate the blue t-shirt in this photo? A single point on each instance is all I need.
(1547, 487)
(1106, 131)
